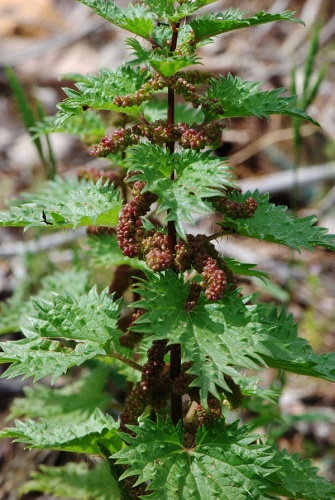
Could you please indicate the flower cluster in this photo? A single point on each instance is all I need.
(235, 209)
(143, 94)
(152, 390)
(212, 414)
(203, 256)
(156, 252)
(94, 174)
(195, 136)
(210, 105)
(130, 228)
(180, 385)
(119, 140)
(153, 247)
(187, 46)
(182, 82)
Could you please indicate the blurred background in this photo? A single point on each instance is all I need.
(295, 162)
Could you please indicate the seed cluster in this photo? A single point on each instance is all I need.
(153, 247)
(214, 412)
(153, 390)
(180, 385)
(182, 82)
(94, 174)
(156, 252)
(193, 136)
(130, 230)
(235, 209)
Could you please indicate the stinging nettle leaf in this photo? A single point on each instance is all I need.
(90, 321)
(83, 437)
(242, 99)
(74, 402)
(219, 336)
(66, 203)
(98, 92)
(168, 66)
(215, 24)
(134, 18)
(188, 194)
(224, 463)
(14, 311)
(296, 478)
(271, 223)
(78, 481)
(215, 337)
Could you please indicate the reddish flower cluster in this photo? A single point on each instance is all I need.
(153, 389)
(156, 251)
(207, 262)
(180, 385)
(193, 136)
(235, 209)
(182, 83)
(119, 140)
(153, 247)
(210, 105)
(142, 94)
(94, 174)
(130, 229)
(213, 414)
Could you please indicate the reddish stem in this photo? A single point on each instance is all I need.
(175, 351)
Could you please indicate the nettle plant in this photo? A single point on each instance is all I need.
(171, 343)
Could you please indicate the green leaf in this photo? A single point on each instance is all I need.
(225, 462)
(67, 203)
(215, 24)
(272, 223)
(219, 336)
(134, 18)
(88, 126)
(77, 481)
(241, 99)
(245, 269)
(98, 92)
(90, 321)
(161, 8)
(168, 66)
(15, 309)
(185, 9)
(157, 110)
(298, 479)
(73, 402)
(214, 336)
(286, 351)
(39, 358)
(187, 194)
(141, 54)
(78, 437)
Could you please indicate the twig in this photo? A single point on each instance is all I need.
(126, 361)
(42, 244)
(283, 181)
(285, 134)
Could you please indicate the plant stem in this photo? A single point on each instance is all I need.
(126, 361)
(175, 352)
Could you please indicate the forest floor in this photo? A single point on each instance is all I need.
(44, 39)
